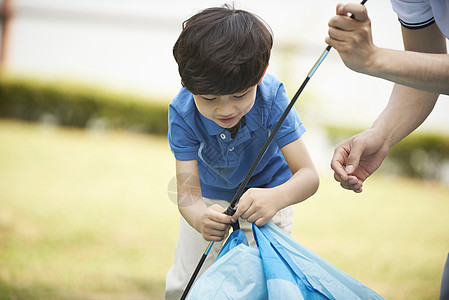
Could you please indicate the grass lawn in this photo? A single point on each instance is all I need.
(86, 215)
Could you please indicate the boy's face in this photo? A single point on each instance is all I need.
(226, 110)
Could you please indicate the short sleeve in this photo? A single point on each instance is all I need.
(413, 14)
(181, 139)
(292, 128)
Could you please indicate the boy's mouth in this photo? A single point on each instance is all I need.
(227, 120)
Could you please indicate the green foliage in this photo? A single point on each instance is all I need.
(80, 107)
(337, 134)
(419, 155)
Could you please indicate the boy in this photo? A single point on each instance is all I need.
(218, 123)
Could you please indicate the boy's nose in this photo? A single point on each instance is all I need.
(225, 107)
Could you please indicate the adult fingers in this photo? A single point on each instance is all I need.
(343, 167)
(353, 183)
(353, 159)
(338, 163)
(342, 26)
(336, 35)
(354, 188)
(338, 177)
(349, 182)
(356, 11)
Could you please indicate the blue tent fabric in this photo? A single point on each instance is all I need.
(279, 268)
(236, 238)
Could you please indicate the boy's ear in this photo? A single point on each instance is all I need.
(261, 78)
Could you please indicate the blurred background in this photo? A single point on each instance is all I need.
(86, 172)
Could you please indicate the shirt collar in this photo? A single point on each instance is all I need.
(254, 118)
(211, 127)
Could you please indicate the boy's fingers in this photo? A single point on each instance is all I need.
(217, 226)
(222, 218)
(215, 236)
(261, 222)
(234, 215)
(250, 214)
(217, 233)
(217, 215)
(242, 207)
(251, 218)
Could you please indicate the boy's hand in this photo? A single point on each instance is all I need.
(257, 206)
(214, 224)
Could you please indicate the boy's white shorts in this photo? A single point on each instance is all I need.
(191, 245)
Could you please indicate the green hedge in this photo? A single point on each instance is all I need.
(69, 105)
(420, 155)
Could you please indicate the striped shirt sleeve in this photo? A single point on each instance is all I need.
(413, 14)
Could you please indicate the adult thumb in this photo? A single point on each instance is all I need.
(353, 160)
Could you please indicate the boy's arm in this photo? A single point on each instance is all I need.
(259, 205)
(211, 222)
(305, 180)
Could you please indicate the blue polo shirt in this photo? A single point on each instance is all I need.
(223, 162)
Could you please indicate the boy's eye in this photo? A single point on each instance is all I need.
(240, 96)
(209, 98)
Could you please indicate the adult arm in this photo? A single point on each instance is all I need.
(361, 155)
(424, 65)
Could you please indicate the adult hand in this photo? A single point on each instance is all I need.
(214, 224)
(357, 158)
(352, 37)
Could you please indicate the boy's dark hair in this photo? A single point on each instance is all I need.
(222, 51)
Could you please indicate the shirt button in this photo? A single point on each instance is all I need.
(231, 149)
(223, 136)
